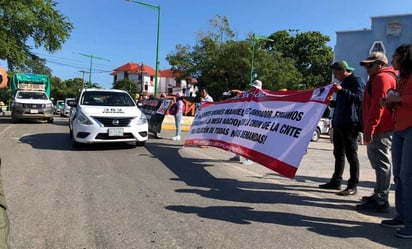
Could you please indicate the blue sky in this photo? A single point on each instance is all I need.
(120, 31)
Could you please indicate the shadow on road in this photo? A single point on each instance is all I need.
(61, 141)
(192, 171)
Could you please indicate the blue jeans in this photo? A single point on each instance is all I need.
(402, 172)
(178, 120)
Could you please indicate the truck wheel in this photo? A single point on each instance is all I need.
(50, 120)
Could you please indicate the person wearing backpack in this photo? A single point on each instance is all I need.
(180, 108)
(377, 129)
(346, 127)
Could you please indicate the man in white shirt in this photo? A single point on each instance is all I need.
(205, 97)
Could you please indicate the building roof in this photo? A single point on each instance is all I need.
(135, 68)
(167, 73)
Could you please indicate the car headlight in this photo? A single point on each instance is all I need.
(83, 119)
(49, 105)
(141, 120)
(18, 104)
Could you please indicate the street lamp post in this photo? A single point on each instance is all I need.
(253, 58)
(157, 39)
(91, 63)
(254, 39)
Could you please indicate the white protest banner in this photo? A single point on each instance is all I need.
(272, 128)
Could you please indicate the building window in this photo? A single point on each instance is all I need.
(377, 46)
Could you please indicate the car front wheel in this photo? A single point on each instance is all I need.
(140, 143)
(316, 135)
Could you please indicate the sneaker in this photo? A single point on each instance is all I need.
(235, 158)
(330, 185)
(373, 205)
(247, 162)
(176, 138)
(368, 198)
(392, 223)
(348, 191)
(405, 233)
(157, 136)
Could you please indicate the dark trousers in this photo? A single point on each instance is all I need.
(345, 143)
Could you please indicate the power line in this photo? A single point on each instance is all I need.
(91, 62)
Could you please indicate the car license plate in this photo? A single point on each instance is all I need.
(115, 132)
(34, 111)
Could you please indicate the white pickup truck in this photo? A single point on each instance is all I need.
(34, 105)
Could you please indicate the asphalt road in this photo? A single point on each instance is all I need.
(165, 195)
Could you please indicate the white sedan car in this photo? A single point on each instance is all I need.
(323, 127)
(105, 116)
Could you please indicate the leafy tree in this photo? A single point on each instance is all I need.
(209, 61)
(311, 56)
(65, 89)
(182, 60)
(69, 88)
(27, 24)
(220, 63)
(127, 85)
(35, 65)
(219, 30)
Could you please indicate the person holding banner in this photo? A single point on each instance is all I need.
(180, 105)
(158, 118)
(399, 100)
(256, 84)
(346, 127)
(377, 129)
(204, 97)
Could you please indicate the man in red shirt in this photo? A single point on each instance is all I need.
(377, 128)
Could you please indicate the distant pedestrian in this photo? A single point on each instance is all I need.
(377, 129)
(399, 100)
(205, 97)
(157, 119)
(346, 127)
(178, 116)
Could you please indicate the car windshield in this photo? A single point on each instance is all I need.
(31, 95)
(100, 98)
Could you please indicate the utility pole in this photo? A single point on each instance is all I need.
(91, 63)
(82, 71)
